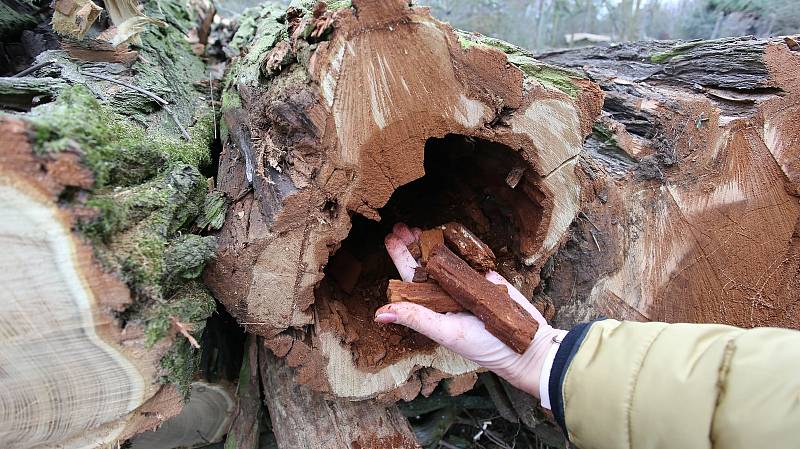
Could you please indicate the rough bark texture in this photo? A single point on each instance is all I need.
(245, 429)
(503, 317)
(303, 418)
(695, 160)
(337, 119)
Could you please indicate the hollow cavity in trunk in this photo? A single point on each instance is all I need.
(466, 180)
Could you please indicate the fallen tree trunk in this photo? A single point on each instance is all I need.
(303, 418)
(695, 160)
(694, 215)
(341, 122)
(102, 197)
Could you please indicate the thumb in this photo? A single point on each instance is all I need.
(442, 329)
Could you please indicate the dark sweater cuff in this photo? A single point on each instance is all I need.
(566, 351)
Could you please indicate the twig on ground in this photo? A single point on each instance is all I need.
(32, 69)
(164, 103)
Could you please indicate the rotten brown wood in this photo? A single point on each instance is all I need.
(503, 317)
(426, 294)
(467, 245)
(428, 239)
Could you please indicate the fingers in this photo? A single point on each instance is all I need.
(442, 329)
(404, 233)
(402, 259)
(495, 278)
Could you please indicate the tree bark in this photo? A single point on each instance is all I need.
(694, 215)
(303, 418)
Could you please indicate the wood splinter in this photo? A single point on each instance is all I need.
(427, 294)
(461, 240)
(504, 318)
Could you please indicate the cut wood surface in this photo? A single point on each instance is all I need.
(427, 294)
(302, 418)
(99, 193)
(428, 240)
(504, 318)
(695, 216)
(384, 114)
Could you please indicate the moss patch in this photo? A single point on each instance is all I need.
(549, 76)
(678, 50)
(535, 71)
(260, 29)
(117, 151)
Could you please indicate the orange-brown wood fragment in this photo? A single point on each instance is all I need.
(503, 317)
(467, 245)
(428, 240)
(426, 294)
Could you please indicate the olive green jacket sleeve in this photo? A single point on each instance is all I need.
(635, 385)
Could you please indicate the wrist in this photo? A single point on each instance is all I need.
(531, 373)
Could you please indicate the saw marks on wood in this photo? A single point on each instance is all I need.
(59, 377)
(718, 241)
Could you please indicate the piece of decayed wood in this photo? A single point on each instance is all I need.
(426, 294)
(428, 239)
(467, 245)
(504, 318)
(420, 275)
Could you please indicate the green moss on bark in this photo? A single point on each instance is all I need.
(534, 71)
(260, 29)
(119, 152)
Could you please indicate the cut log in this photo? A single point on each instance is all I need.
(341, 122)
(99, 196)
(695, 216)
(427, 294)
(694, 213)
(504, 318)
(302, 418)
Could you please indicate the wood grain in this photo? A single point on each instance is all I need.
(503, 317)
(467, 245)
(426, 294)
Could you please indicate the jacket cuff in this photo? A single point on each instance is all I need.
(566, 351)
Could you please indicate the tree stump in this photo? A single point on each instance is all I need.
(341, 122)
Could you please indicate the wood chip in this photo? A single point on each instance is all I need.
(428, 240)
(426, 294)
(514, 176)
(467, 245)
(504, 318)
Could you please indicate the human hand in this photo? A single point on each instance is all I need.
(465, 334)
